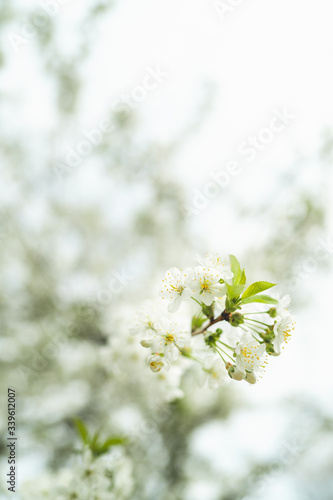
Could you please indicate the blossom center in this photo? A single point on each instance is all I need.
(249, 355)
(179, 288)
(286, 334)
(169, 338)
(205, 285)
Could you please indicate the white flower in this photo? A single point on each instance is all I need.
(157, 362)
(206, 285)
(281, 308)
(283, 304)
(123, 481)
(216, 261)
(175, 287)
(216, 374)
(169, 338)
(283, 327)
(249, 354)
(219, 305)
(145, 322)
(90, 475)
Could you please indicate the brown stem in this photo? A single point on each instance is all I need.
(224, 316)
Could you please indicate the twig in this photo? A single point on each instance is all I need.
(224, 316)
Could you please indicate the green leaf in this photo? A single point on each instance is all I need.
(94, 439)
(257, 287)
(234, 291)
(242, 280)
(236, 269)
(208, 310)
(232, 305)
(198, 321)
(113, 441)
(99, 449)
(82, 430)
(264, 299)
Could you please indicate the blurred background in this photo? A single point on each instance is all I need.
(134, 135)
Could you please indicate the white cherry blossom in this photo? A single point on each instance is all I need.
(169, 339)
(249, 354)
(283, 330)
(206, 285)
(175, 287)
(218, 262)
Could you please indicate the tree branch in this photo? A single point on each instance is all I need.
(224, 316)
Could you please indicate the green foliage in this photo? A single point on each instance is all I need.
(232, 305)
(81, 430)
(96, 446)
(197, 321)
(234, 291)
(233, 301)
(211, 339)
(257, 287)
(242, 280)
(263, 299)
(236, 269)
(238, 283)
(208, 311)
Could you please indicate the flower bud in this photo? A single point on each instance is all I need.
(210, 339)
(268, 335)
(272, 312)
(250, 378)
(234, 372)
(186, 351)
(145, 343)
(236, 319)
(270, 350)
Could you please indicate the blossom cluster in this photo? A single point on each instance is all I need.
(224, 327)
(107, 477)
